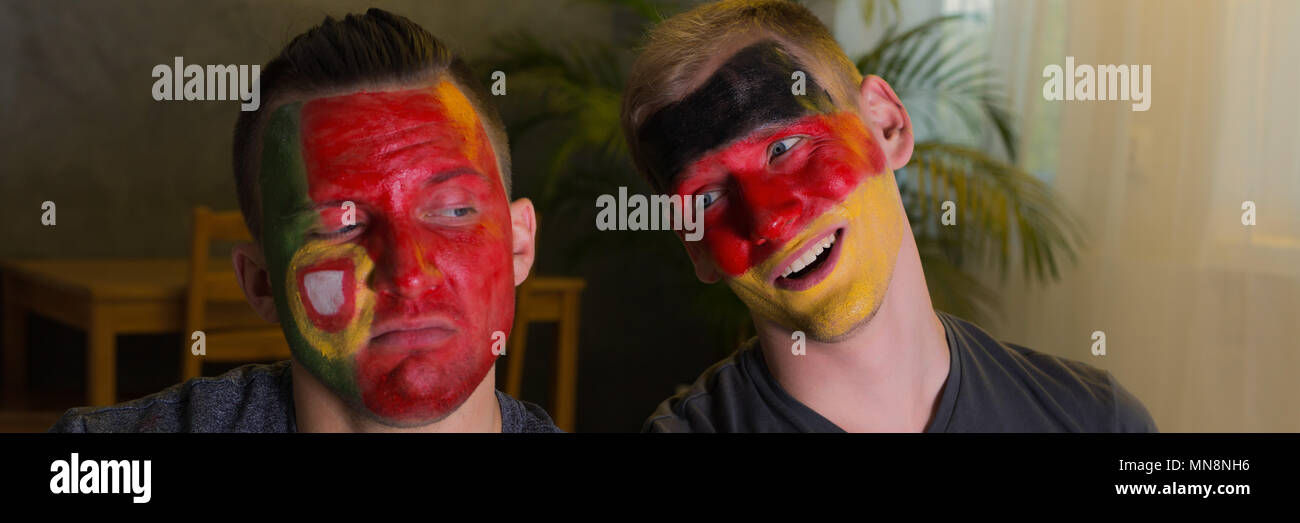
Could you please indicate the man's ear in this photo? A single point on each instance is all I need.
(705, 269)
(885, 116)
(250, 270)
(523, 229)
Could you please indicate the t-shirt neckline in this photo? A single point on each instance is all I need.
(819, 423)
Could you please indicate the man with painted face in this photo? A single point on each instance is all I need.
(374, 178)
(804, 222)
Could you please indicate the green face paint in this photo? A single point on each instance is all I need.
(286, 223)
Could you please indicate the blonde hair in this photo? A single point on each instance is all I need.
(677, 51)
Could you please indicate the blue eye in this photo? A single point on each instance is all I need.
(781, 147)
(457, 212)
(711, 197)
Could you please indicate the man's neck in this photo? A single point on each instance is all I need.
(887, 376)
(318, 409)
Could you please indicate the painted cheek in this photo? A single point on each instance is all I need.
(328, 292)
(478, 258)
(330, 307)
(493, 266)
(730, 252)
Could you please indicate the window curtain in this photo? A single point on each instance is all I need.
(1201, 313)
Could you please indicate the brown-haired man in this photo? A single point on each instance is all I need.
(804, 222)
(375, 178)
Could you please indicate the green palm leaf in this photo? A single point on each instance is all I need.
(939, 75)
(998, 205)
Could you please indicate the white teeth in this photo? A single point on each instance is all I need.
(809, 256)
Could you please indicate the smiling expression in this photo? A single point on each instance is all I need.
(804, 219)
(394, 311)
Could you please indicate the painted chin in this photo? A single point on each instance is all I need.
(416, 370)
(404, 386)
(409, 363)
(811, 263)
(408, 380)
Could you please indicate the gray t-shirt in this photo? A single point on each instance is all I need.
(251, 398)
(991, 387)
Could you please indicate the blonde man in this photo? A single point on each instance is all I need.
(804, 222)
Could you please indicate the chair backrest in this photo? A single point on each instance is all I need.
(214, 301)
(549, 299)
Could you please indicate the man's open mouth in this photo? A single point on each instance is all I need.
(810, 266)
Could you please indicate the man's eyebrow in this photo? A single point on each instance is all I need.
(448, 174)
(766, 129)
(440, 177)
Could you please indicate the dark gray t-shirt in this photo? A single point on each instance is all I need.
(251, 398)
(991, 387)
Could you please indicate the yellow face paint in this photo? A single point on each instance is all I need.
(872, 219)
(336, 325)
(460, 116)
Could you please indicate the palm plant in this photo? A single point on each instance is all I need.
(572, 92)
(958, 108)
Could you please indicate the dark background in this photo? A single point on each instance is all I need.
(81, 129)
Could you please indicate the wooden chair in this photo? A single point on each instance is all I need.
(215, 303)
(545, 300)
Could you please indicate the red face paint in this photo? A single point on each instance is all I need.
(431, 213)
(767, 200)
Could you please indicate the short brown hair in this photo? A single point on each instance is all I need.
(376, 50)
(677, 51)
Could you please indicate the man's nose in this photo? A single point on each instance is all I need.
(406, 271)
(775, 212)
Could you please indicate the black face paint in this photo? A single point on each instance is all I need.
(751, 89)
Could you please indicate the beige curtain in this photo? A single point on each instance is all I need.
(1201, 313)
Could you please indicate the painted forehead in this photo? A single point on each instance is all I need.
(752, 89)
(352, 138)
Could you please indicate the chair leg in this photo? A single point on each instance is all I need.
(515, 358)
(101, 360)
(15, 348)
(191, 364)
(566, 367)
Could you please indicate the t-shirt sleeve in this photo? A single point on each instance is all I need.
(664, 420)
(1130, 414)
(70, 422)
(131, 417)
(684, 413)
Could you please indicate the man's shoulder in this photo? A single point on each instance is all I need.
(695, 408)
(518, 416)
(1028, 390)
(251, 398)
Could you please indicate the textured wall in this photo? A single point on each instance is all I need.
(80, 127)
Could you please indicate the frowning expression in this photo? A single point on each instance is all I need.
(387, 233)
(804, 220)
